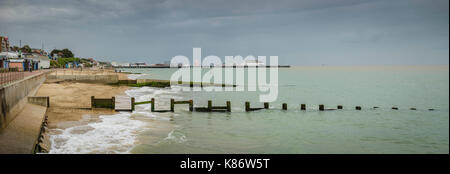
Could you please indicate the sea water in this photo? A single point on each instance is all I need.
(381, 130)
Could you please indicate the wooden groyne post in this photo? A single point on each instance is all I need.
(172, 105)
(321, 107)
(209, 105)
(113, 102)
(228, 106)
(153, 105)
(284, 106)
(92, 102)
(340, 107)
(303, 107)
(266, 105)
(358, 107)
(132, 103)
(191, 105)
(247, 106)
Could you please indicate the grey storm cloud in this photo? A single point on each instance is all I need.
(300, 32)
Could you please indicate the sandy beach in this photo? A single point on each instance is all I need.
(70, 101)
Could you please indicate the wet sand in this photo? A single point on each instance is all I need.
(70, 101)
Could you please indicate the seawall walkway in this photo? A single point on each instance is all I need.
(21, 119)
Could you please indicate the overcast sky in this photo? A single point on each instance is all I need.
(300, 32)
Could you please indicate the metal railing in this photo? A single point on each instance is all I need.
(9, 75)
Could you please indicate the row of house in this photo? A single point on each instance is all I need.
(35, 60)
(23, 63)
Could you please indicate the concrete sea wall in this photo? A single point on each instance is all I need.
(90, 78)
(13, 97)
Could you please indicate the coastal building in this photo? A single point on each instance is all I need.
(5, 58)
(9, 55)
(4, 44)
(43, 62)
(16, 63)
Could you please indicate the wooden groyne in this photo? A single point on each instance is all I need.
(121, 103)
(248, 108)
(211, 108)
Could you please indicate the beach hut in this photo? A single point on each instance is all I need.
(3, 62)
(35, 64)
(17, 63)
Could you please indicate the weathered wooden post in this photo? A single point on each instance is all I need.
(412, 108)
(321, 107)
(247, 106)
(113, 102)
(92, 102)
(284, 106)
(191, 105)
(153, 105)
(48, 101)
(266, 105)
(172, 105)
(339, 107)
(358, 107)
(394, 108)
(303, 107)
(209, 105)
(191, 84)
(228, 106)
(132, 103)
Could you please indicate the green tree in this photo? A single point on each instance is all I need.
(54, 64)
(55, 51)
(14, 48)
(67, 53)
(26, 49)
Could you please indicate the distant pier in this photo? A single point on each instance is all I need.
(223, 66)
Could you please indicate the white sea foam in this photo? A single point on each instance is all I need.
(149, 115)
(113, 134)
(176, 136)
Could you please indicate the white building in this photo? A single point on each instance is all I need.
(44, 62)
(10, 54)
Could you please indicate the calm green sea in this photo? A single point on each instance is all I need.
(381, 130)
